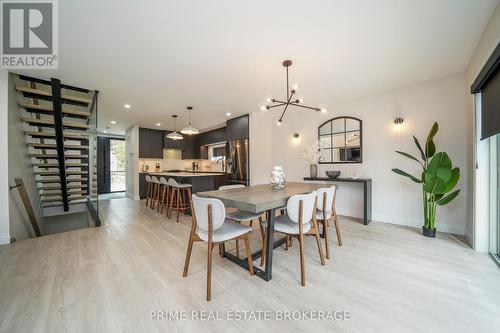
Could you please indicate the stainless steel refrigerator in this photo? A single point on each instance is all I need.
(237, 162)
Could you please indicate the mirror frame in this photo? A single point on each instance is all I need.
(360, 139)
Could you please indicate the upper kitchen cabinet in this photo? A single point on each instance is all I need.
(150, 143)
(190, 151)
(213, 136)
(173, 144)
(237, 128)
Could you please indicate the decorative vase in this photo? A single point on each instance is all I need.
(429, 232)
(313, 170)
(278, 177)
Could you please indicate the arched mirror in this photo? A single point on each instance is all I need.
(340, 141)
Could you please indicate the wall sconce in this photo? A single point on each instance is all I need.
(296, 138)
(398, 121)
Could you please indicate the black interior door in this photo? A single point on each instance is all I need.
(103, 163)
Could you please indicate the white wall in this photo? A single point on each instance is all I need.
(132, 158)
(478, 219)
(395, 199)
(4, 170)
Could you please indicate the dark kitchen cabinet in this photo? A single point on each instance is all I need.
(191, 149)
(211, 137)
(173, 144)
(237, 128)
(143, 185)
(150, 143)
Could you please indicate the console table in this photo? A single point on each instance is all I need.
(367, 192)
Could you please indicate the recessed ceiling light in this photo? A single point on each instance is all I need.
(158, 124)
(105, 131)
(113, 122)
(228, 114)
(127, 106)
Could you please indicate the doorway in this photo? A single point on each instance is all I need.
(110, 165)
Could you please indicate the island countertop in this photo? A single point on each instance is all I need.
(184, 174)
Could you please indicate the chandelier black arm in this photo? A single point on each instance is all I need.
(273, 106)
(295, 103)
(286, 106)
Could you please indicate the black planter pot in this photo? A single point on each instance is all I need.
(429, 232)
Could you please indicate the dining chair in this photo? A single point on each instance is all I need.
(325, 209)
(242, 216)
(209, 224)
(299, 221)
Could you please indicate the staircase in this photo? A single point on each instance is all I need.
(60, 123)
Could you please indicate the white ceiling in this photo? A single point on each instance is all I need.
(225, 56)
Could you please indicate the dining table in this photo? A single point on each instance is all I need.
(261, 199)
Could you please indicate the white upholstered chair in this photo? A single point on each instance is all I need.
(299, 221)
(242, 216)
(210, 225)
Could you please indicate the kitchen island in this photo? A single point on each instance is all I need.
(200, 180)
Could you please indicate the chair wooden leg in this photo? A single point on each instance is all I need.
(237, 246)
(286, 242)
(249, 254)
(337, 228)
(263, 256)
(148, 193)
(160, 196)
(261, 228)
(318, 243)
(222, 249)
(302, 266)
(188, 256)
(209, 271)
(327, 238)
(163, 198)
(171, 206)
(178, 202)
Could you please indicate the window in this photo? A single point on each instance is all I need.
(340, 141)
(217, 152)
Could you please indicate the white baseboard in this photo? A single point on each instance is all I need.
(4, 238)
(409, 222)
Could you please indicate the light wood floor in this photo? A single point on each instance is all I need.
(108, 279)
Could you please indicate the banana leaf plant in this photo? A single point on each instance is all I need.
(438, 179)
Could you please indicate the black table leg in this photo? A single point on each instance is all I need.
(367, 207)
(265, 274)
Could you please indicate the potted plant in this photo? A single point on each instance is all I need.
(311, 155)
(438, 179)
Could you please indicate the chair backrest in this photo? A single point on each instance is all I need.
(154, 179)
(148, 178)
(163, 181)
(293, 204)
(228, 187)
(172, 182)
(330, 194)
(200, 206)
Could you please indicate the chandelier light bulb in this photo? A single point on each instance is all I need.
(263, 108)
(324, 111)
(295, 87)
(301, 100)
(269, 99)
(278, 122)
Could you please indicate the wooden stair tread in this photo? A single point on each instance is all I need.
(56, 172)
(58, 194)
(58, 181)
(82, 136)
(41, 156)
(51, 122)
(45, 93)
(56, 165)
(54, 146)
(58, 187)
(70, 198)
(48, 109)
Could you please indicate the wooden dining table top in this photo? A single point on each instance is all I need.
(260, 198)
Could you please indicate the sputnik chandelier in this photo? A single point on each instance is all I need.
(290, 100)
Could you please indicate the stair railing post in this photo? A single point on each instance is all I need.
(59, 132)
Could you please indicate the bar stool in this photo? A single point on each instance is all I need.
(149, 191)
(239, 216)
(164, 189)
(178, 201)
(156, 192)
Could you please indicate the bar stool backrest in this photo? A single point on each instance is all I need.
(155, 180)
(292, 207)
(148, 178)
(172, 182)
(330, 194)
(228, 187)
(163, 181)
(200, 206)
